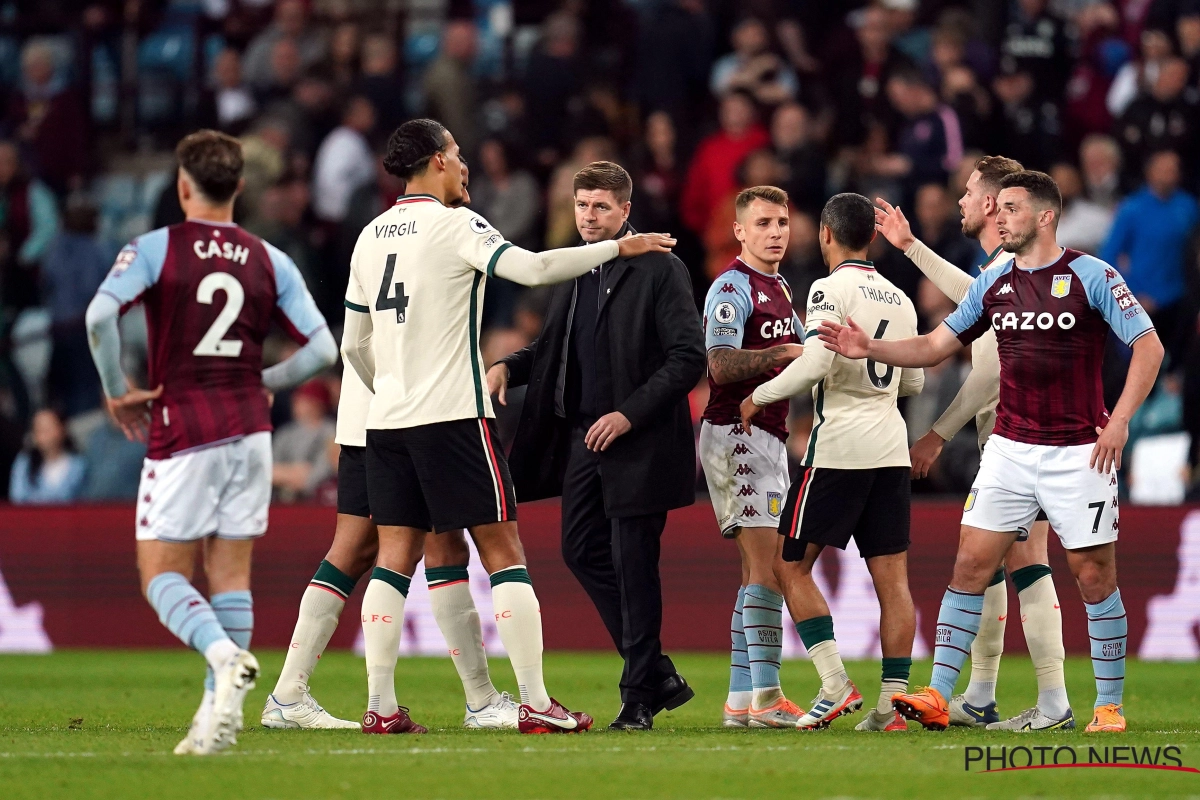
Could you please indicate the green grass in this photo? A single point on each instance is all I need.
(90, 724)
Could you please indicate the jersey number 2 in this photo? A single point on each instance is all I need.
(214, 343)
(880, 381)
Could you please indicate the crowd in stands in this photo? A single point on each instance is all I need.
(697, 98)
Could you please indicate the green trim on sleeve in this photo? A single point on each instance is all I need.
(491, 267)
(356, 307)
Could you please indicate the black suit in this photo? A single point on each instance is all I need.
(648, 353)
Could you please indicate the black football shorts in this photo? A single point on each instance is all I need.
(829, 506)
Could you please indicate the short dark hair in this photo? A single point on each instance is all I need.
(850, 218)
(992, 169)
(604, 175)
(1041, 187)
(768, 194)
(214, 162)
(412, 145)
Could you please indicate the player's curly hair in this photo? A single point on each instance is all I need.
(850, 218)
(1041, 187)
(412, 145)
(213, 160)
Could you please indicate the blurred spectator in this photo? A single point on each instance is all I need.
(753, 68)
(381, 81)
(291, 25)
(50, 121)
(1102, 53)
(281, 221)
(310, 110)
(449, 84)
(299, 447)
(284, 68)
(28, 222)
(1030, 128)
(344, 161)
(232, 104)
(1187, 32)
(1139, 76)
(553, 77)
(939, 230)
(857, 85)
(113, 464)
(1147, 244)
(972, 104)
(264, 152)
(1165, 117)
(711, 176)
(366, 203)
(344, 48)
(910, 39)
(760, 168)
(1100, 159)
(803, 160)
(674, 51)
(507, 196)
(929, 145)
(48, 472)
(1036, 41)
(802, 263)
(74, 267)
(1084, 224)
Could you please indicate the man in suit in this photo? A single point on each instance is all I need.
(606, 425)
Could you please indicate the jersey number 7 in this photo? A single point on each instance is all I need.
(399, 301)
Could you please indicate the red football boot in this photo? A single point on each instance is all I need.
(556, 719)
(399, 722)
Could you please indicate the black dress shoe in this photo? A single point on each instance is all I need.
(672, 693)
(633, 717)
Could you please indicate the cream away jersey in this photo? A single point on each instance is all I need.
(856, 423)
(353, 404)
(419, 270)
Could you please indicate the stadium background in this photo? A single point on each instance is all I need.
(697, 98)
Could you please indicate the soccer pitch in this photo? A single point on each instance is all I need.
(102, 724)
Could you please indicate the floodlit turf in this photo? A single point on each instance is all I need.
(89, 724)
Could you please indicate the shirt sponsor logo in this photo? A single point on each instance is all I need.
(1031, 320)
(724, 313)
(724, 331)
(1123, 296)
(821, 307)
(1060, 286)
(817, 297)
(776, 328)
(479, 225)
(1133, 312)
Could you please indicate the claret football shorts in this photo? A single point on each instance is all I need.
(747, 476)
(1016, 479)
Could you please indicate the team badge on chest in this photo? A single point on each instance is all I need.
(1061, 286)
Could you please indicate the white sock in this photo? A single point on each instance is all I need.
(1042, 621)
(519, 623)
(888, 688)
(458, 620)
(766, 696)
(828, 661)
(988, 646)
(383, 621)
(220, 651)
(739, 700)
(315, 624)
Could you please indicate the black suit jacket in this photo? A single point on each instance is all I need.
(648, 334)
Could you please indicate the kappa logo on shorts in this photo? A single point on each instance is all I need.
(740, 449)
(744, 469)
(971, 500)
(750, 511)
(736, 430)
(774, 503)
(746, 490)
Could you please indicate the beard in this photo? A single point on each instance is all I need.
(1018, 242)
(972, 229)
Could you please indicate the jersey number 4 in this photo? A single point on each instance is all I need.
(399, 300)
(877, 380)
(213, 343)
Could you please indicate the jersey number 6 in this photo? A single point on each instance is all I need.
(213, 343)
(877, 380)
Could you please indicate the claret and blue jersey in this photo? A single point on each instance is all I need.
(1051, 325)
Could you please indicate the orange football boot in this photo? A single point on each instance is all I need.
(926, 706)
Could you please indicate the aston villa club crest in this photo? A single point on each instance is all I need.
(774, 503)
(1061, 286)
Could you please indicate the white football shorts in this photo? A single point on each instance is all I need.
(747, 476)
(1015, 479)
(224, 490)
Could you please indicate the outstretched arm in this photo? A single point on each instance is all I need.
(851, 341)
(729, 365)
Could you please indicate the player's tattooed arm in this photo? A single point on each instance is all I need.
(727, 365)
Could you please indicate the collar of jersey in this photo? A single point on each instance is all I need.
(854, 262)
(213, 222)
(410, 198)
(991, 257)
(1043, 266)
(757, 271)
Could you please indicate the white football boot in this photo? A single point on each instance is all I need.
(1032, 719)
(234, 679)
(199, 727)
(304, 713)
(501, 713)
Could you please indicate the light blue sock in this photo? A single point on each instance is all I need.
(1108, 629)
(739, 663)
(957, 625)
(235, 612)
(762, 617)
(184, 611)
